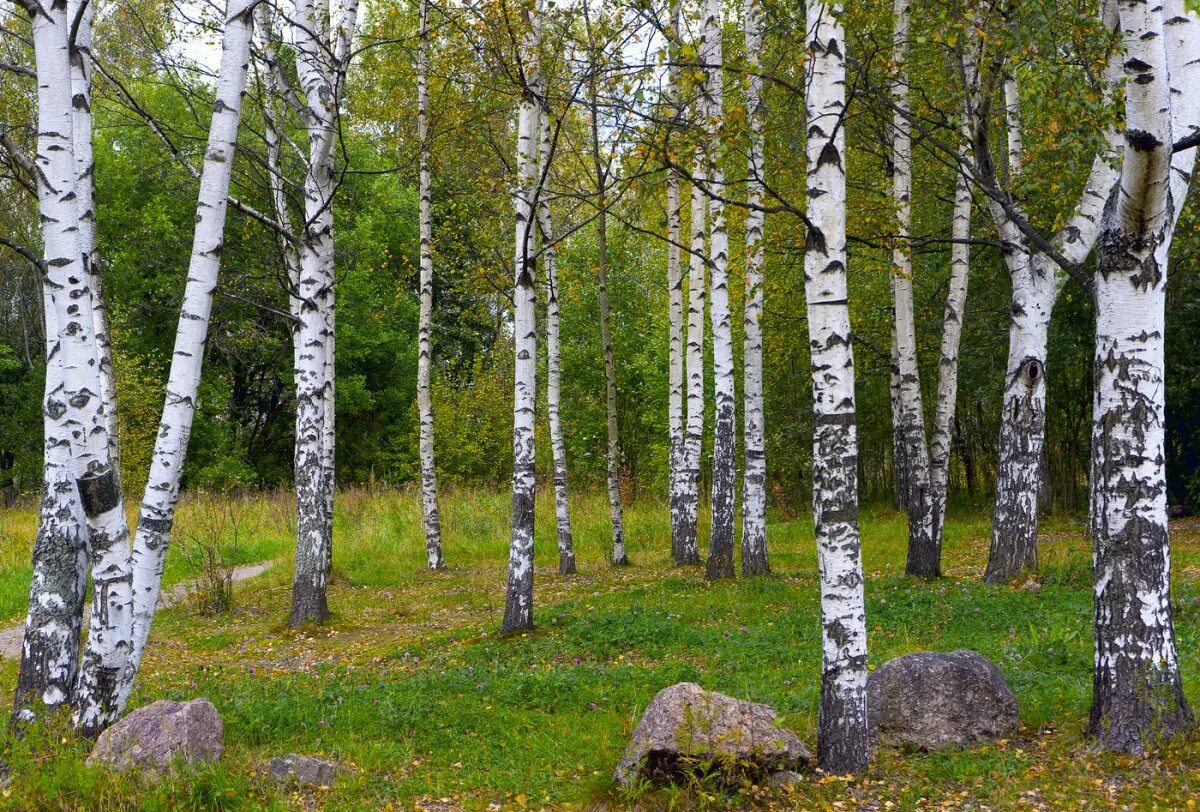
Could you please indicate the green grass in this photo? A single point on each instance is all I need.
(410, 687)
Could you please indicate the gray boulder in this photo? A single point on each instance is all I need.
(931, 701)
(158, 735)
(684, 726)
(304, 771)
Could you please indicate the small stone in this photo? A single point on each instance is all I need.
(304, 771)
(784, 778)
(685, 725)
(161, 734)
(930, 701)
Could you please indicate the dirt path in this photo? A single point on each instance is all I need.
(11, 637)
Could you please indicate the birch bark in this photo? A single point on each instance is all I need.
(558, 446)
(720, 550)
(675, 342)
(1137, 691)
(952, 322)
(693, 439)
(429, 498)
(518, 608)
(77, 402)
(754, 476)
(924, 558)
(619, 555)
(842, 742)
(161, 496)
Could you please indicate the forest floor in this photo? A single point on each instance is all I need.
(412, 690)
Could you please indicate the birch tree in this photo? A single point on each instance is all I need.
(429, 497)
(912, 454)
(1137, 692)
(1038, 269)
(76, 401)
(720, 550)
(518, 607)
(613, 466)
(675, 347)
(842, 742)
(754, 478)
(157, 513)
(947, 383)
(558, 446)
(694, 437)
(322, 56)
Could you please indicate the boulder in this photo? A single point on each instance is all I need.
(685, 726)
(930, 700)
(158, 735)
(303, 771)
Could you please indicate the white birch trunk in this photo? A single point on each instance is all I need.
(429, 498)
(157, 512)
(754, 475)
(675, 340)
(322, 54)
(720, 550)
(842, 741)
(1036, 283)
(558, 446)
(952, 323)
(689, 552)
(105, 658)
(50, 648)
(1137, 691)
(924, 557)
(518, 608)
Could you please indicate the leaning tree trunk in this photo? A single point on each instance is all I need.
(1137, 691)
(105, 658)
(675, 398)
(754, 476)
(720, 548)
(50, 648)
(952, 322)
(157, 512)
(694, 438)
(558, 446)
(924, 557)
(429, 498)
(842, 742)
(518, 607)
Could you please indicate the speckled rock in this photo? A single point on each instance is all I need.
(158, 735)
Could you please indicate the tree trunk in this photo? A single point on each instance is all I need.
(1137, 691)
(924, 556)
(429, 498)
(50, 649)
(157, 512)
(694, 437)
(842, 741)
(76, 402)
(947, 392)
(676, 441)
(518, 608)
(720, 549)
(558, 446)
(754, 477)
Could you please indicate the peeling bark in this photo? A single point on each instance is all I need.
(1137, 690)
(675, 398)
(842, 741)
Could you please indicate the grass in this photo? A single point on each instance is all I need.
(410, 687)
